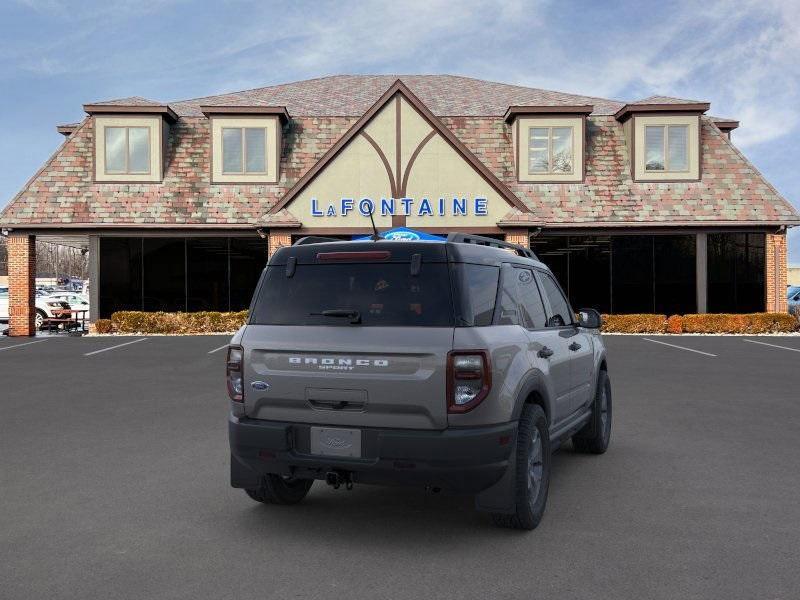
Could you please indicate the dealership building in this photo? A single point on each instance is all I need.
(640, 206)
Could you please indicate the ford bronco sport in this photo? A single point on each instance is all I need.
(454, 365)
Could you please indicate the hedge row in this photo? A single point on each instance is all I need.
(707, 323)
(225, 322)
(163, 322)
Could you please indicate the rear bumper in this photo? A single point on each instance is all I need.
(461, 460)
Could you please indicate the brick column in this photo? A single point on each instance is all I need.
(278, 239)
(520, 237)
(21, 284)
(776, 271)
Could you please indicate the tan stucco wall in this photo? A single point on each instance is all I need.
(156, 147)
(438, 171)
(526, 123)
(640, 122)
(270, 123)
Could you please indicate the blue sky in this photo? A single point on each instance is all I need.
(56, 55)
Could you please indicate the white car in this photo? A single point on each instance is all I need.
(47, 307)
(3, 304)
(75, 300)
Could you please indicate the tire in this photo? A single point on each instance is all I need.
(596, 434)
(532, 479)
(274, 489)
(39, 318)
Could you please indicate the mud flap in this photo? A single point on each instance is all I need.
(243, 476)
(501, 497)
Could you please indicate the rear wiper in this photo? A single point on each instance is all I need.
(345, 313)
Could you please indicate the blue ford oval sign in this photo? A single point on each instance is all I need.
(259, 385)
(403, 236)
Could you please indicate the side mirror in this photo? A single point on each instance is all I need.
(589, 318)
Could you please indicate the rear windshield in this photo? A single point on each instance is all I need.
(383, 294)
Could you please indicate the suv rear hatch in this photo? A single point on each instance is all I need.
(351, 334)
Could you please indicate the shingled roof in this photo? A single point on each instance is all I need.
(731, 191)
(352, 95)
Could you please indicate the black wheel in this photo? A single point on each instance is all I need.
(533, 471)
(275, 489)
(596, 434)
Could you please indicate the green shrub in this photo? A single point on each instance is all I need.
(163, 322)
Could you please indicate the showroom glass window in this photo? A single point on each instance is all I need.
(550, 150)
(736, 272)
(666, 148)
(244, 150)
(624, 274)
(127, 150)
(179, 274)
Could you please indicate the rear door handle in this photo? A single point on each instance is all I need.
(545, 352)
(574, 346)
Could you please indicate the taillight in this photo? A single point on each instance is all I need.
(469, 379)
(233, 371)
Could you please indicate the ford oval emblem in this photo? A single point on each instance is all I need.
(259, 385)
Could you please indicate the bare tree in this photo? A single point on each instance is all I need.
(52, 260)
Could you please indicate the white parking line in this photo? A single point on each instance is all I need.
(680, 347)
(218, 349)
(114, 347)
(20, 345)
(771, 345)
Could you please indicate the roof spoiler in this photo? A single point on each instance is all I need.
(479, 240)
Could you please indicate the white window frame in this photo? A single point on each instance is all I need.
(244, 171)
(665, 148)
(550, 129)
(127, 129)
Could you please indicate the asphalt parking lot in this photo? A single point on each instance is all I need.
(114, 484)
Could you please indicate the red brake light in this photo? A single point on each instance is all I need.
(469, 379)
(233, 373)
(368, 255)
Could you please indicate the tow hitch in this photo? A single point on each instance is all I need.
(339, 478)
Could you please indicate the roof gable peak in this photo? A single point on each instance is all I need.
(400, 88)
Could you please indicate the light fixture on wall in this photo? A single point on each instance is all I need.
(261, 233)
(5, 231)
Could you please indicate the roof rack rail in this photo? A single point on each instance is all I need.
(479, 240)
(314, 239)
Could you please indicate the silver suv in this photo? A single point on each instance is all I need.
(454, 365)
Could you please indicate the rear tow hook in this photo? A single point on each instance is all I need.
(336, 478)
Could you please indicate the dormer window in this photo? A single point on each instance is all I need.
(663, 138)
(550, 150)
(666, 148)
(130, 140)
(245, 143)
(548, 142)
(127, 150)
(244, 150)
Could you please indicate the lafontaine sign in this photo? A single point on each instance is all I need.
(422, 207)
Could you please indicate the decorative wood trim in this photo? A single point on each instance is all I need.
(412, 158)
(279, 111)
(515, 111)
(131, 109)
(630, 109)
(384, 160)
